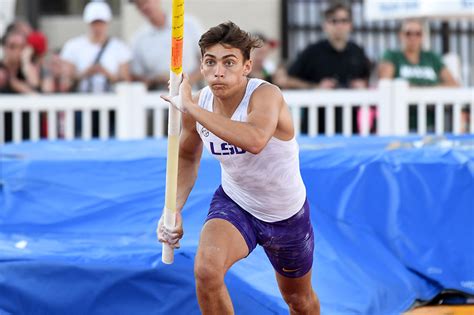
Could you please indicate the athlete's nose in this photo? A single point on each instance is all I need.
(219, 71)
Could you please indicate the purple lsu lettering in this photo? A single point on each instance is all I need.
(226, 149)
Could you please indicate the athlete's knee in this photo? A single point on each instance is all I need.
(208, 275)
(302, 303)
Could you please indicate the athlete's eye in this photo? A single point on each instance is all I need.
(229, 63)
(209, 62)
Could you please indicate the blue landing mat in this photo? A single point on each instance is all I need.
(77, 223)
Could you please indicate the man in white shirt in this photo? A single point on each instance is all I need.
(98, 60)
(152, 47)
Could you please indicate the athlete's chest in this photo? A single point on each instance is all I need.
(220, 149)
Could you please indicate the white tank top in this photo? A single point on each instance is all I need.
(268, 185)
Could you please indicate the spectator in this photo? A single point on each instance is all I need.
(417, 66)
(335, 62)
(152, 47)
(262, 67)
(98, 60)
(4, 78)
(37, 45)
(57, 76)
(21, 26)
(23, 75)
(32, 59)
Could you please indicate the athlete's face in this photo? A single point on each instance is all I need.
(224, 69)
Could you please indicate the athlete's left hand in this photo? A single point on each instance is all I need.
(184, 99)
(170, 235)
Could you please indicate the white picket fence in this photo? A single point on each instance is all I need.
(140, 114)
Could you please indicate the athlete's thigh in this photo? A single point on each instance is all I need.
(289, 244)
(221, 244)
(227, 235)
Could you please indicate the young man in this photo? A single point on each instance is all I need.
(334, 62)
(246, 124)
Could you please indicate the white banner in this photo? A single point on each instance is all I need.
(401, 9)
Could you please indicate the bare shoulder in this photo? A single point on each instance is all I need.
(268, 89)
(267, 95)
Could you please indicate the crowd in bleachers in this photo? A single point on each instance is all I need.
(95, 61)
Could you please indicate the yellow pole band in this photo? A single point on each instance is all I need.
(177, 25)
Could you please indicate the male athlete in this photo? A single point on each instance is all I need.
(246, 124)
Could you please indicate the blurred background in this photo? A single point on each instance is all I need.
(293, 23)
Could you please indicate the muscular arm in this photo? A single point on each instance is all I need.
(253, 135)
(190, 151)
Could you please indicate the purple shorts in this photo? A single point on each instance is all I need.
(289, 244)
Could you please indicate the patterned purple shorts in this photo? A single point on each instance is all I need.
(289, 244)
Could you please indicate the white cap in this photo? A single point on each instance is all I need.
(97, 10)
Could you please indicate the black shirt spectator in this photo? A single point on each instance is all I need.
(321, 60)
(7, 87)
(335, 62)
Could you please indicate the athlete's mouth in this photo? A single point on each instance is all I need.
(218, 85)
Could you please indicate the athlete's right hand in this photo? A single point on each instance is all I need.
(184, 97)
(170, 235)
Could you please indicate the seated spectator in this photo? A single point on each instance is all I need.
(23, 75)
(417, 66)
(21, 26)
(4, 78)
(335, 62)
(152, 47)
(262, 67)
(36, 40)
(57, 76)
(98, 60)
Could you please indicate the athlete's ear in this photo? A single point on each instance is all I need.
(247, 67)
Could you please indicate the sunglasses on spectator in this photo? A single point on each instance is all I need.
(412, 33)
(339, 21)
(14, 46)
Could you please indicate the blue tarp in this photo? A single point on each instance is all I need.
(77, 228)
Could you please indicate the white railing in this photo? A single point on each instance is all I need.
(346, 100)
(139, 114)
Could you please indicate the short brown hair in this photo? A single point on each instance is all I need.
(336, 6)
(229, 34)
